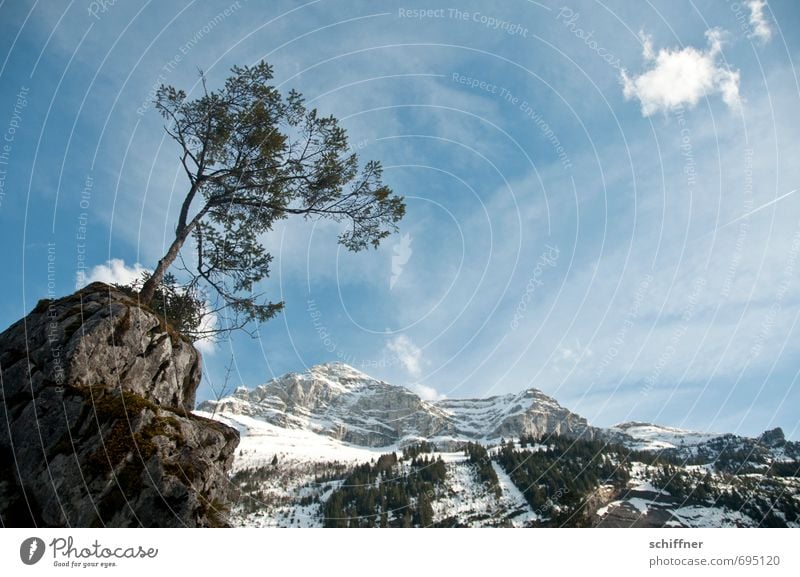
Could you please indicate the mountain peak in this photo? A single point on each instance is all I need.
(339, 369)
(345, 403)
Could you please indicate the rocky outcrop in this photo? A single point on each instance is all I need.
(96, 428)
(773, 438)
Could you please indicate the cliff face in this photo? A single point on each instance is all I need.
(95, 426)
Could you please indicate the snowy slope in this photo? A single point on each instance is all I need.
(261, 441)
(649, 437)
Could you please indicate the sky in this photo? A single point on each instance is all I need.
(600, 195)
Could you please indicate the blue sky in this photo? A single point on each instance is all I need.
(600, 195)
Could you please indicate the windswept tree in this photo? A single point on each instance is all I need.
(252, 158)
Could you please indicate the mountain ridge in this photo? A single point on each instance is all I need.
(342, 402)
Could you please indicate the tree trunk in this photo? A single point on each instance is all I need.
(149, 289)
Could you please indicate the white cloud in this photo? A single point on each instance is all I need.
(114, 271)
(407, 353)
(426, 393)
(682, 77)
(761, 28)
(207, 345)
(565, 358)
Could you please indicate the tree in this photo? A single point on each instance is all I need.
(181, 306)
(254, 157)
(425, 510)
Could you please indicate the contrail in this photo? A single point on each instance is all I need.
(752, 212)
(755, 210)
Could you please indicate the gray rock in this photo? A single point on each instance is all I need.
(96, 428)
(773, 438)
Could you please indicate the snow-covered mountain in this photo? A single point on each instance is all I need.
(333, 447)
(341, 402)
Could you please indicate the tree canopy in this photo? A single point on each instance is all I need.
(253, 157)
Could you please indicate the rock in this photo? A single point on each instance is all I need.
(96, 428)
(773, 438)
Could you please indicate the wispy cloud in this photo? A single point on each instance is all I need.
(681, 77)
(407, 353)
(426, 393)
(402, 252)
(761, 28)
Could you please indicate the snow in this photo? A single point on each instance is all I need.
(648, 487)
(639, 504)
(260, 441)
(279, 499)
(514, 499)
(464, 497)
(650, 437)
(694, 516)
(473, 502)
